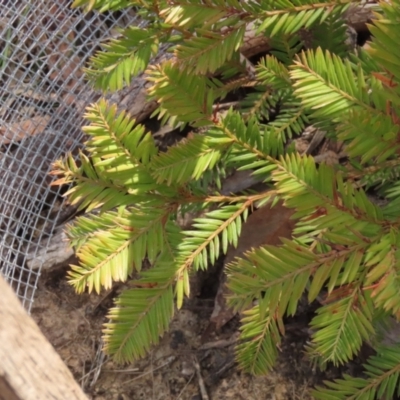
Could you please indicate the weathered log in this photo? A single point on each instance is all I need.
(30, 369)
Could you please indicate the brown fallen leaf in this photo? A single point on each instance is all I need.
(264, 226)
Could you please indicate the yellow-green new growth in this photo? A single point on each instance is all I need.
(344, 252)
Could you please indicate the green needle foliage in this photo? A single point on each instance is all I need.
(345, 248)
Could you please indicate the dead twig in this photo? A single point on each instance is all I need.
(203, 390)
(169, 361)
(226, 367)
(123, 371)
(218, 344)
(187, 384)
(95, 369)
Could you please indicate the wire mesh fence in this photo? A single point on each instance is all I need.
(43, 47)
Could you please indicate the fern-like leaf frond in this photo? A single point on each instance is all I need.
(272, 72)
(187, 96)
(342, 326)
(330, 86)
(331, 35)
(260, 338)
(185, 161)
(383, 260)
(324, 199)
(140, 317)
(90, 190)
(214, 233)
(384, 45)
(191, 15)
(285, 47)
(86, 226)
(111, 254)
(379, 137)
(275, 276)
(117, 173)
(258, 103)
(142, 314)
(382, 381)
(115, 138)
(287, 17)
(122, 58)
(291, 120)
(250, 136)
(207, 51)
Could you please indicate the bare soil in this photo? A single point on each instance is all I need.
(73, 323)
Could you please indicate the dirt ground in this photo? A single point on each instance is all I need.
(182, 366)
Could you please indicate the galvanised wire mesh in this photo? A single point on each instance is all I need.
(43, 47)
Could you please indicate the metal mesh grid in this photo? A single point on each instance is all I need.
(43, 47)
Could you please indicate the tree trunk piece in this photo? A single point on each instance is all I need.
(30, 369)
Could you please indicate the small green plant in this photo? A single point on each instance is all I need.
(345, 247)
